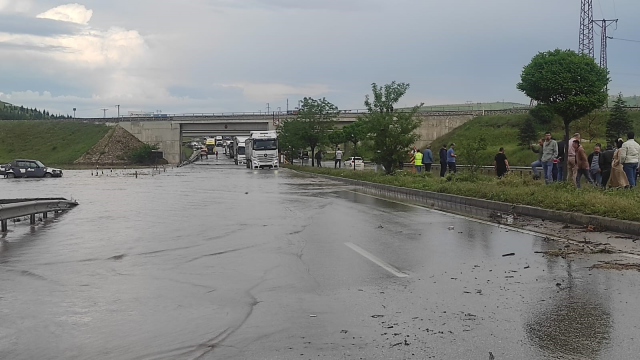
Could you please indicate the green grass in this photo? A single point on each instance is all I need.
(52, 142)
(187, 151)
(618, 204)
(502, 131)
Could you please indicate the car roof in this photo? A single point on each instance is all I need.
(25, 160)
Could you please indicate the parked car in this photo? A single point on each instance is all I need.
(359, 163)
(23, 168)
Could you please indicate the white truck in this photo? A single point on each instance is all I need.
(219, 141)
(238, 150)
(261, 149)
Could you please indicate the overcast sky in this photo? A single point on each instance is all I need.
(238, 55)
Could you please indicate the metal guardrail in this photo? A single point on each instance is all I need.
(16, 208)
(191, 160)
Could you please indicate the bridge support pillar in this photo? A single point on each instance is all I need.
(32, 219)
(4, 226)
(45, 215)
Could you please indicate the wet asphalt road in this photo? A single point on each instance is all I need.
(214, 261)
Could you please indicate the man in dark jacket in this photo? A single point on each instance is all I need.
(607, 160)
(443, 160)
(596, 162)
(561, 159)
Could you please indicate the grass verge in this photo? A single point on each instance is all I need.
(512, 189)
(54, 143)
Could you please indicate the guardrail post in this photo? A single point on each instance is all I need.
(4, 226)
(32, 219)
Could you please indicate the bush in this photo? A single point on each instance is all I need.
(143, 155)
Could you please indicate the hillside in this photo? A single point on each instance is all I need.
(52, 142)
(502, 131)
(13, 112)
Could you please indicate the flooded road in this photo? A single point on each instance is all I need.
(214, 261)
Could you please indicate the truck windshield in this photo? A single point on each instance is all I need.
(240, 150)
(266, 144)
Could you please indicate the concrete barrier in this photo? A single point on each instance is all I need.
(484, 208)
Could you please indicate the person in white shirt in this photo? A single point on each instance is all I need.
(629, 157)
(338, 163)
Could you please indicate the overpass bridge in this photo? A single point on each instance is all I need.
(168, 130)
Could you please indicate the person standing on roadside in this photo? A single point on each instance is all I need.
(607, 160)
(538, 163)
(596, 163)
(582, 164)
(572, 168)
(500, 163)
(427, 158)
(629, 157)
(338, 161)
(618, 178)
(451, 159)
(417, 161)
(319, 158)
(443, 160)
(549, 153)
(561, 159)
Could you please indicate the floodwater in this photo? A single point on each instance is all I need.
(214, 261)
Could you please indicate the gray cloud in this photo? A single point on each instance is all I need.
(21, 24)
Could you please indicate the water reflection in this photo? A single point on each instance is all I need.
(575, 321)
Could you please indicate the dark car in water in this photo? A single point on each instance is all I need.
(23, 168)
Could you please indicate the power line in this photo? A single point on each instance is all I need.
(613, 38)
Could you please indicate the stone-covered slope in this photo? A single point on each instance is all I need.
(113, 149)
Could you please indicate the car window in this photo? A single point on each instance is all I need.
(33, 165)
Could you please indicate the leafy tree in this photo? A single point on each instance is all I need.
(527, 132)
(471, 153)
(336, 137)
(571, 85)
(290, 134)
(619, 122)
(543, 114)
(354, 133)
(318, 118)
(391, 131)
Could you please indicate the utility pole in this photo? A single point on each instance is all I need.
(604, 24)
(105, 111)
(268, 108)
(586, 29)
(118, 106)
(74, 113)
(287, 106)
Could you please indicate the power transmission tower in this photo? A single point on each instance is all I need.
(604, 24)
(586, 28)
(105, 111)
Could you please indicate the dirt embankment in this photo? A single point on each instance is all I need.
(113, 149)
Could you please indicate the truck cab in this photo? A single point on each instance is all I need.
(261, 149)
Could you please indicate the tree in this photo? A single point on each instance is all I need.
(619, 122)
(391, 131)
(527, 132)
(543, 114)
(354, 133)
(471, 153)
(571, 85)
(336, 137)
(318, 118)
(290, 137)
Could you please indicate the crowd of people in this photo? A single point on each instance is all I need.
(615, 166)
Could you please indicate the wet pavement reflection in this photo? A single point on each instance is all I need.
(214, 261)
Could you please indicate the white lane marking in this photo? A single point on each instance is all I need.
(528, 232)
(500, 226)
(376, 260)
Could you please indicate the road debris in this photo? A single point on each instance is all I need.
(509, 254)
(615, 265)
